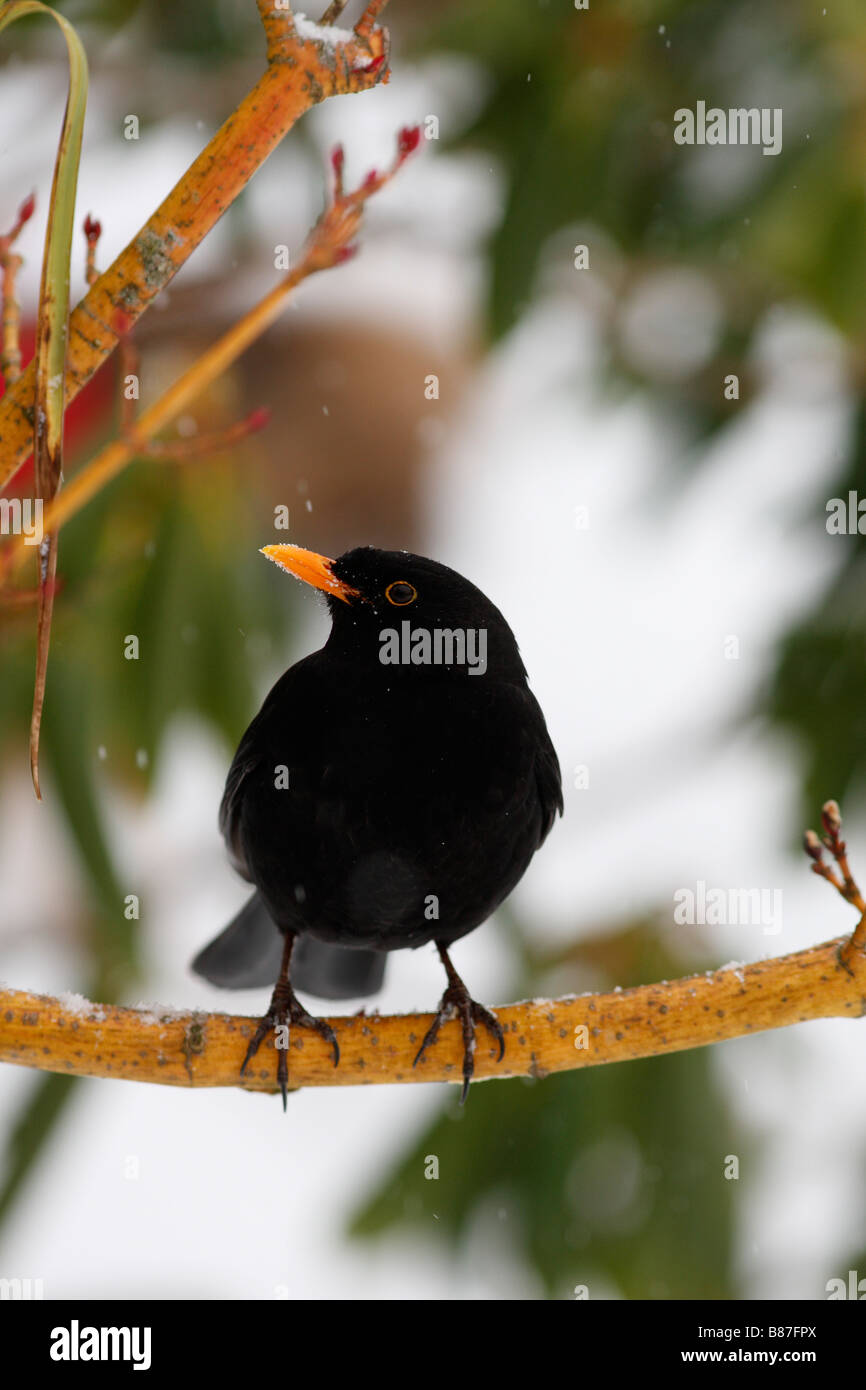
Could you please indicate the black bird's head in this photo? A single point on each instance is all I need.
(403, 612)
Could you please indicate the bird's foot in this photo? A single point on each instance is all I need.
(284, 1010)
(457, 1002)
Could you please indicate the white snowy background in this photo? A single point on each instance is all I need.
(623, 628)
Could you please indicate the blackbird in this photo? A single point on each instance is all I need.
(390, 792)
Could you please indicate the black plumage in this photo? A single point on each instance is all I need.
(380, 803)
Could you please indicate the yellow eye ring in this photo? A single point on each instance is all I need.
(401, 593)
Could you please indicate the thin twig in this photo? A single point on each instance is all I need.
(200, 445)
(333, 12)
(300, 73)
(330, 243)
(10, 264)
(364, 27)
(92, 232)
(843, 882)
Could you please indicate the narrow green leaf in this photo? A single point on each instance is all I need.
(51, 334)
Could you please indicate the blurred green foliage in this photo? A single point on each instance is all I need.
(151, 557)
(169, 554)
(821, 665)
(203, 35)
(611, 1177)
(857, 1263)
(579, 112)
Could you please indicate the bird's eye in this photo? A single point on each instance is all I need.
(400, 593)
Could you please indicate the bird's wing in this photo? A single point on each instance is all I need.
(290, 698)
(246, 760)
(548, 777)
(246, 954)
(549, 781)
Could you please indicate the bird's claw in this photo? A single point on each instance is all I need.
(457, 1001)
(284, 1012)
(299, 1015)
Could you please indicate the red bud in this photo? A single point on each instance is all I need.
(345, 253)
(831, 817)
(92, 229)
(408, 140)
(812, 845)
(26, 210)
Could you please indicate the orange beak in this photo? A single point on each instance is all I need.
(312, 568)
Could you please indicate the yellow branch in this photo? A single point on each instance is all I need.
(300, 73)
(200, 1049)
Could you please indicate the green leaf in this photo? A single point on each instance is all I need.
(611, 1177)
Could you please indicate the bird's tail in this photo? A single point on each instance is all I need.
(247, 955)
